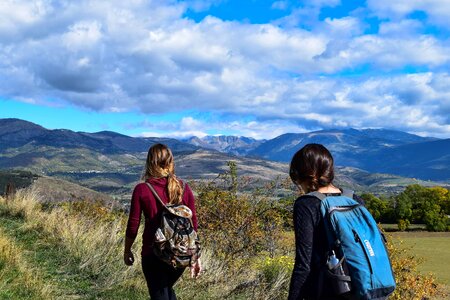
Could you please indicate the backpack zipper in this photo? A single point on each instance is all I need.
(342, 208)
(360, 242)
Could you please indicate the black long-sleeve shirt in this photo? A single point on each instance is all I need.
(310, 251)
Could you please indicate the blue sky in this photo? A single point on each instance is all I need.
(252, 68)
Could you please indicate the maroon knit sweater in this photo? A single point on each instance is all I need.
(143, 201)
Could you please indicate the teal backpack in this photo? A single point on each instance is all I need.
(354, 236)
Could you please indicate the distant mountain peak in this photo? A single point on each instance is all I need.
(237, 145)
(18, 123)
(110, 134)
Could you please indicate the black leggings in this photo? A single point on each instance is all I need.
(160, 278)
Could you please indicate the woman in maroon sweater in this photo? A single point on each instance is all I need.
(159, 172)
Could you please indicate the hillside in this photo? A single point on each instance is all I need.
(347, 146)
(16, 178)
(428, 160)
(374, 150)
(204, 164)
(51, 189)
(16, 134)
(377, 183)
(57, 190)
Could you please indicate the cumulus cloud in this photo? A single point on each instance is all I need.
(147, 56)
(437, 11)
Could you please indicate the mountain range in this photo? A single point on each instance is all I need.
(112, 162)
(373, 150)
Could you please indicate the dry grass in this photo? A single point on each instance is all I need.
(17, 278)
(243, 281)
(95, 245)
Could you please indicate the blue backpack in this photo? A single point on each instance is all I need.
(353, 235)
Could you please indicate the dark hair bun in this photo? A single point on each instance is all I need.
(312, 166)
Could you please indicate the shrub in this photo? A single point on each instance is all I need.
(403, 224)
(236, 226)
(272, 267)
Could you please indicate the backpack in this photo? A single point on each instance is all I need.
(176, 242)
(354, 236)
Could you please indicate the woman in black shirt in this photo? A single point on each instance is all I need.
(311, 169)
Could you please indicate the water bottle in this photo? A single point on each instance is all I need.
(340, 286)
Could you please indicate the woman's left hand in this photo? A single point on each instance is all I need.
(128, 258)
(196, 269)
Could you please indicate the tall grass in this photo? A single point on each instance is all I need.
(18, 279)
(220, 280)
(94, 244)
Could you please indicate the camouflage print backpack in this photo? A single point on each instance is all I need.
(176, 242)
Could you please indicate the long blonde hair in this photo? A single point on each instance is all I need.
(160, 164)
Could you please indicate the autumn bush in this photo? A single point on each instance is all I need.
(237, 226)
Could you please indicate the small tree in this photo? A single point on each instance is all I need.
(234, 225)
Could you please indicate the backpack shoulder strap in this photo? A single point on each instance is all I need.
(317, 195)
(348, 193)
(155, 194)
(159, 198)
(183, 186)
(345, 192)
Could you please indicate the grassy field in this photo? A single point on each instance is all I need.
(433, 248)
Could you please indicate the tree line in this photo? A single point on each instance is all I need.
(415, 205)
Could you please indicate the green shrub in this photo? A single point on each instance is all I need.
(236, 226)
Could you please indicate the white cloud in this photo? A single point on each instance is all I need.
(173, 134)
(141, 55)
(281, 5)
(82, 35)
(347, 26)
(385, 53)
(402, 28)
(322, 3)
(437, 11)
(189, 123)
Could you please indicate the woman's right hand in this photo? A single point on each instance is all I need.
(128, 258)
(196, 269)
